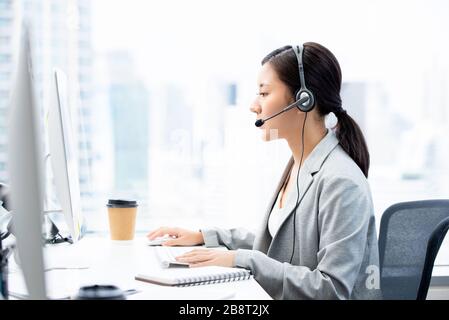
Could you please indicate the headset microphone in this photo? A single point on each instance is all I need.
(297, 103)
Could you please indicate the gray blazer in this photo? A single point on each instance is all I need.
(336, 253)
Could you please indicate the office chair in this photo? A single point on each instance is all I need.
(433, 246)
(410, 236)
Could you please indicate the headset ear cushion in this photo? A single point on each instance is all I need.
(309, 104)
(300, 94)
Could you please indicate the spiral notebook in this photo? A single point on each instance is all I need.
(195, 276)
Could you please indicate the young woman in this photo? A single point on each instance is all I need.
(318, 237)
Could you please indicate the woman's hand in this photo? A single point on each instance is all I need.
(208, 257)
(183, 237)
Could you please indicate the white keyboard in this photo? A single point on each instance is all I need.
(166, 256)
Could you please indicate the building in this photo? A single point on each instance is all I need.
(129, 109)
(60, 37)
(8, 13)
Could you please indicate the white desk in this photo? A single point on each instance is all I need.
(113, 262)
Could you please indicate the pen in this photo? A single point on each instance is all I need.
(130, 292)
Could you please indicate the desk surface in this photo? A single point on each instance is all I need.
(99, 260)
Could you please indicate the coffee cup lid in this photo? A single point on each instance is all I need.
(100, 292)
(118, 203)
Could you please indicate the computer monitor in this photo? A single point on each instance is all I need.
(63, 155)
(25, 161)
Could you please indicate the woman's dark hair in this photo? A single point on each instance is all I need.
(323, 77)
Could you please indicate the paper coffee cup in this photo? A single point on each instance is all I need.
(122, 219)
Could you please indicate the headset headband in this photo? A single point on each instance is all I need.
(303, 91)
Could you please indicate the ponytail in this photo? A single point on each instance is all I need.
(352, 141)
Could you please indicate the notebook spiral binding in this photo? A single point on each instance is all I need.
(215, 278)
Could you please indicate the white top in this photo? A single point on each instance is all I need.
(278, 214)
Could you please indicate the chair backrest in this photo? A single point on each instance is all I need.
(433, 246)
(404, 240)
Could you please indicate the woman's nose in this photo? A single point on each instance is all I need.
(255, 107)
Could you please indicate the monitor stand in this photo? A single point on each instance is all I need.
(51, 232)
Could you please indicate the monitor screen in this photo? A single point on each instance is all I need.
(64, 156)
(25, 160)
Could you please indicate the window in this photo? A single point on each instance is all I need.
(4, 94)
(168, 120)
(4, 40)
(4, 113)
(5, 76)
(5, 5)
(5, 22)
(5, 58)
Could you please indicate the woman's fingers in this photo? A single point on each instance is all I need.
(161, 232)
(174, 242)
(208, 257)
(155, 233)
(194, 252)
(199, 257)
(202, 264)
